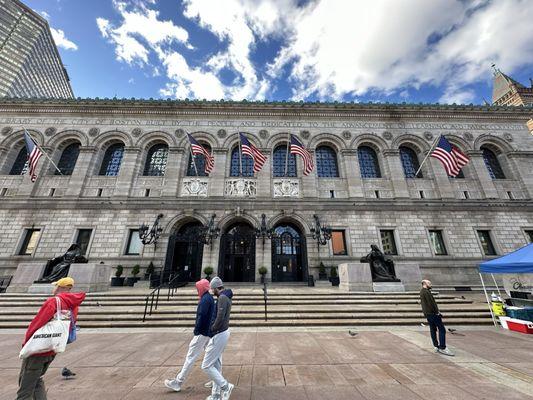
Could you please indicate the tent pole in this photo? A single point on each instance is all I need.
(487, 297)
(495, 284)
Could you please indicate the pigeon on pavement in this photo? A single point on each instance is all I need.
(352, 333)
(67, 373)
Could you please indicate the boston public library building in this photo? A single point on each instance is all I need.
(123, 163)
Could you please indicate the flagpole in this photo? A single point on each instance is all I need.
(427, 155)
(42, 151)
(287, 157)
(240, 155)
(193, 158)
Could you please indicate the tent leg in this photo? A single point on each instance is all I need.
(495, 284)
(488, 301)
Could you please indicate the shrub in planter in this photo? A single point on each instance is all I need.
(208, 271)
(149, 270)
(262, 271)
(334, 277)
(130, 280)
(118, 279)
(322, 275)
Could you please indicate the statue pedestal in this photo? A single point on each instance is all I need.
(358, 277)
(25, 275)
(355, 277)
(388, 287)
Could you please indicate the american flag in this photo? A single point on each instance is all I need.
(197, 148)
(34, 153)
(298, 148)
(451, 158)
(250, 150)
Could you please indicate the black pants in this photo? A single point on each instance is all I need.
(435, 322)
(31, 385)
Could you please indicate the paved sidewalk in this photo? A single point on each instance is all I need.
(375, 364)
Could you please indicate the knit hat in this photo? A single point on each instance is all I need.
(216, 282)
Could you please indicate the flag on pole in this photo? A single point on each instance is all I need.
(250, 150)
(451, 158)
(197, 148)
(298, 148)
(34, 153)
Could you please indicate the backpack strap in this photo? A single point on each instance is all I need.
(58, 308)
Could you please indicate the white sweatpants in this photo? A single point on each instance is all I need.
(196, 346)
(212, 363)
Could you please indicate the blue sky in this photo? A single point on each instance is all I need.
(328, 50)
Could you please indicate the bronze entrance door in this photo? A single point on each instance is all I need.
(288, 255)
(237, 254)
(185, 252)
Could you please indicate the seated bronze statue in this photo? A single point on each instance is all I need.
(58, 267)
(382, 267)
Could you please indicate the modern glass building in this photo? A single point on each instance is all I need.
(30, 65)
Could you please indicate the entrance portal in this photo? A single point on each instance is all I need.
(289, 261)
(184, 254)
(237, 254)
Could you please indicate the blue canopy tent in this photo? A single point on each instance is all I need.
(518, 262)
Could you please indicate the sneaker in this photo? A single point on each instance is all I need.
(446, 352)
(226, 393)
(209, 384)
(436, 349)
(173, 384)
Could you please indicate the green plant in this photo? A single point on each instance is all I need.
(321, 268)
(333, 272)
(119, 271)
(262, 270)
(136, 269)
(208, 271)
(150, 269)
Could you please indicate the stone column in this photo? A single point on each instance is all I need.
(442, 181)
(3, 160)
(395, 169)
(487, 185)
(218, 175)
(310, 182)
(264, 177)
(520, 163)
(173, 173)
(128, 169)
(81, 171)
(353, 173)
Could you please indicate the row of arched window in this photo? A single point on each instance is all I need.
(283, 163)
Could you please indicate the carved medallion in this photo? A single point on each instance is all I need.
(50, 131)
(6, 130)
(508, 137)
(346, 134)
(93, 132)
(194, 187)
(263, 134)
(136, 132)
(286, 188)
(241, 187)
(305, 134)
(428, 135)
(387, 135)
(221, 133)
(468, 136)
(179, 132)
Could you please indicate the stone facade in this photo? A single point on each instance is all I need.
(112, 205)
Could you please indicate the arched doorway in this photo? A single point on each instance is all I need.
(237, 253)
(185, 251)
(289, 257)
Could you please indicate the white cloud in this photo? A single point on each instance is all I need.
(45, 15)
(61, 40)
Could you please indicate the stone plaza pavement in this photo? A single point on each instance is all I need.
(290, 364)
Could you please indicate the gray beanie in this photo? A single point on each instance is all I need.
(216, 282)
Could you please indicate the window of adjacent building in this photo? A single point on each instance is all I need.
(410, 162)
(112, 160)
(283, 163)
(199, 160)
(83, 238)
(20, 166)
(486, 243)
(388, 242)
(68, 159)
(338, 243)
(134, 244)
(29, 242)
(156, 160)
(492, 163)
(368, 162)
(326, 162)
(437, 243)
(241, 165)
(529, 235)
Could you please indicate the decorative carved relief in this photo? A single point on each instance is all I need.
(6, 130)
(179, 132)
(221, 133)
(50, 131)
(136, 132)
(346, 134)
(240, 187)
(508, 137)
(387, 135)
(468, 136)
(305, 134)
(263, 134)
(93, 132)
(286, 188)
(194, 187)
(428, 135)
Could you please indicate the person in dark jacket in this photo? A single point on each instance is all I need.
(202, 334)
(212, 363)
(434, 317)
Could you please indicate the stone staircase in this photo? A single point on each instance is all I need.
(287, 307)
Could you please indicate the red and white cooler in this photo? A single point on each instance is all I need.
(519, 325)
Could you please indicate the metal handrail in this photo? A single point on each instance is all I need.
(173, 284)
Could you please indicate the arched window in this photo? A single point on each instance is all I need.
(112, 159)
(20, 166)
(279, 160)
(493, 164)
(247, 164)
(156, 160)
(409, 162)
(368, 162)
(326, 162)
(200, 163)
(68, 159)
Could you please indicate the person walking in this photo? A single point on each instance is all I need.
(212, 363)
(434, 317)
(31, 385)
(204, 316)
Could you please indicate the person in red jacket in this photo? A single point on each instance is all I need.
(31, 385)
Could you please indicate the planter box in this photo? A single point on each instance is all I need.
(117, 281)
(130, 281)
(335, 281)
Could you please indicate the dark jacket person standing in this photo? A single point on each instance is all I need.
(431, 312)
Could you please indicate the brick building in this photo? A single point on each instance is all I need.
(123, 162)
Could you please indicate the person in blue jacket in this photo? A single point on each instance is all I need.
(202, 334)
